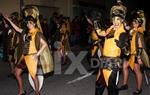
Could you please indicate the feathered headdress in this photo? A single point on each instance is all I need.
(118, 10)
(34, 12)
(139, 16)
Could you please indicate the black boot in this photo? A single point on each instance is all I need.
(123, 87)
(24, 93)
(137, 92)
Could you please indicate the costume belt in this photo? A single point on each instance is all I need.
(111, 63)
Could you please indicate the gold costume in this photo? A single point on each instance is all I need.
(133, 50)
(29, 58)
(110, 47)
(96, 43)
(134, 47)
(110, 62)
(45, 59)
(111, 50)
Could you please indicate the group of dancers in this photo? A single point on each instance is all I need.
(123, 46)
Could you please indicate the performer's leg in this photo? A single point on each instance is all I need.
(100, 85)
(32, 68)
(18, 72)
(138, 74)
(112, 87)
(12, 66)
(125, 76)
(36, 84)
(125, 72)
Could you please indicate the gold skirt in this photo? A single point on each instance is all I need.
(31, 64)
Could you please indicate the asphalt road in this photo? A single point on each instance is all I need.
(57, 84)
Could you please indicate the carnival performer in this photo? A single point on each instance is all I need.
(14, 47)
(110, 62)
(67, 35)
(138, 56)
(64, 40)
(62, 43)
(45, 57)
(12, 42)
(33, 48)
(96, 41)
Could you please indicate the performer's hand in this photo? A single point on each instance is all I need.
(118, 43)
(6, 17)
(112, 26)
(135, 29)
(35, 56)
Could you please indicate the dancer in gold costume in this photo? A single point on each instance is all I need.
(110, 62)
(138, 55)
(33, 49)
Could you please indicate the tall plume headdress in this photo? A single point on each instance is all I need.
(34, 12)
(141, 15)
(118, 10)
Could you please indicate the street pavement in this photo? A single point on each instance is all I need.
(57, 84)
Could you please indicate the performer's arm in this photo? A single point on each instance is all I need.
(101, 33)
(139, 47)
(109, 30)
(140, 42)
(139, 51)
(89, 21)
(13, 25)
(105, 33)
(62, 38)
(43, 46)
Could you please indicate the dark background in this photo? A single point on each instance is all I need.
(107, 4)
